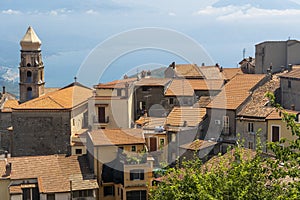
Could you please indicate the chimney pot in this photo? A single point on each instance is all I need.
(3, 91)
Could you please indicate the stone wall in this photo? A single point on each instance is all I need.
(41, 133)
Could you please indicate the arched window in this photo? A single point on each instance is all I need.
(29, 77)
(29, 93)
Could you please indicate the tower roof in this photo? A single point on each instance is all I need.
(30, 41)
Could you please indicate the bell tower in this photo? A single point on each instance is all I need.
(31, 68)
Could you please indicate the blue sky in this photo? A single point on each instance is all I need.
(70, 29)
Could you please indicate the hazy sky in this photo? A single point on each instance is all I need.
(70, 29)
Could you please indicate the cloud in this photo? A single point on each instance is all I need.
(172, 14)
(61, 11)
(247, 12)
(91, 12)
(11, 12)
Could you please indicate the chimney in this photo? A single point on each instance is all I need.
(203, 64)
(7, 168)
(221, 69)
(125, 76)
(126, 89)
(143, 74)
(217, 65)
(3, 91)
(5, 154)
(250, 59)
(290, 67)
(149, 73)
(172, 65)
(293, 107)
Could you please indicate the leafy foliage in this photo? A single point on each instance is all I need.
(238, 174)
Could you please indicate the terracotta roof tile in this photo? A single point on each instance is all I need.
(115, 84)
(229, 73)
(107, 137)
(276, 114)
(53, 172)
(211, 72)
(295, 73)
(153, 82)
(198, 145)
(188, 71)
(236, 91)
(180, 87)
(65, 98)
(206, 84)
(256, 107)
(9, 104)
(151, 122)
(203, 101)
(179, 115)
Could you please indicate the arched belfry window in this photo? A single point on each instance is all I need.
(29, 93)
(29, 77)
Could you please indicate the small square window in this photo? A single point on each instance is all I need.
(133, 148)
(250, 145)
(50, 196)
(78, 151)
(162, 142)
(171, 101)
(173, 137)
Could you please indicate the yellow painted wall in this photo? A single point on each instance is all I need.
(4, 193)
(283, 131)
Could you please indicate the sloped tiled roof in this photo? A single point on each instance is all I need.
(198, 145)
(189, 115)
(203, 101)
(9, 104)
(276, 114)
(53, 172)
(206, 84)
(107, 137)
(153, 82)
(188, 71)
(151, 122)
(115, 84)
(180, 87)
(65, 98)
(236, 91)
(295, 73)
(229, 73)
(256, 107)
(211, 72)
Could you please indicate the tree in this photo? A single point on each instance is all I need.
(238, 174)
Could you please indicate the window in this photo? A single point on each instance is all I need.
(275, 134)
(136, 195)
(145, 88)
(78, 151)
(101, 114)
(83, 193)
(109, 190)
(50, 196)
(136, 174)
(162, 142)
(171, 101)
(26, 194)
(173, 137)
(119, 92)
(250, 145)
(133, 148)
(225, 121)
(225, 124)
(250, 127)
(289, 84)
